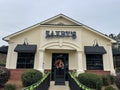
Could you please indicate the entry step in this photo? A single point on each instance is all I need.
(59, 87)
(59, 82)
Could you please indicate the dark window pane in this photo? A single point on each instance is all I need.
(94, 62)
(117, 61)
(25, 60)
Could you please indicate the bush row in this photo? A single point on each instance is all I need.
(37, 84)
(108, 80)
(90, 80)
(80, 85)
(4, 75)
(95, 82)
(30, 77)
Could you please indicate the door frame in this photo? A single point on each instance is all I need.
(66, 63)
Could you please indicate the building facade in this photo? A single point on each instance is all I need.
(60, 42)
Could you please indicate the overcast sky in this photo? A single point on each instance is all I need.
(102, 15)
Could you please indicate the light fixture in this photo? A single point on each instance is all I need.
(25, 41)
(95, 43)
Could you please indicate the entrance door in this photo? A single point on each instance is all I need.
(59, 66)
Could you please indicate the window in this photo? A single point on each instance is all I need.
(25, 60)
(117, 61)
(94, 62)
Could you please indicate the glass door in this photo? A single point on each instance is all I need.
(59, 67)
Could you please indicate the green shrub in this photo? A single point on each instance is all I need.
(30, 77)
(109, 88)
(4, 75)
(99, 85)
(90, 80)
(112, 79)
(10, 87)
(106, 80)
(117, 80)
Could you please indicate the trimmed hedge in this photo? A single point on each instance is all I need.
(30, 77)
(106, 80)
(112, 79)
(77, 84)
(37, 84)
(90, 80)
(4, 75)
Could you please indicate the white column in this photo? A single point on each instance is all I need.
(80, 62)
(41, 58)
(9, 56)
(112, 70)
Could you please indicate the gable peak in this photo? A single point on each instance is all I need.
(60, 18)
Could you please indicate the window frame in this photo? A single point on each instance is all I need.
(25, 61)
(94, 61)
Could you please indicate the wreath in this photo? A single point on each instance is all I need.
(59, 64)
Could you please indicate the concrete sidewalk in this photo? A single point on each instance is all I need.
(58, 87)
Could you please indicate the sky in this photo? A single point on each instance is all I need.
(101, 15)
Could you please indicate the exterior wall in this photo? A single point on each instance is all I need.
(45, 43)
(15, 74)
(72, 58)
(99, 72)
(60, 21)
(88, 40)
(38, 37)
(67, 45)
(32, 37)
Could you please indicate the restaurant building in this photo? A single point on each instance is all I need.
(60, 43)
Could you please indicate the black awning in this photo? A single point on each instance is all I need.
(116, 52)
(25, 48)
(4, 49)
(94, 50)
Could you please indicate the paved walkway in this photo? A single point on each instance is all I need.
(58, 87)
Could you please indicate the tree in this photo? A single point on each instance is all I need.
(117, 38)
(113, 36)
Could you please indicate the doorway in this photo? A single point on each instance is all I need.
(60, 66)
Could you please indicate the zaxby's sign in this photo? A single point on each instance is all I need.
(57, 34)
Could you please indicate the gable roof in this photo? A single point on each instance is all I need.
(7, 38)
(61, 16)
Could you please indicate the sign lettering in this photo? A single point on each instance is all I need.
(57, 34)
